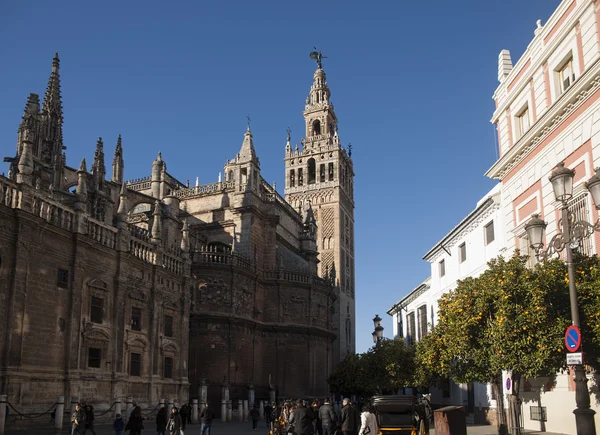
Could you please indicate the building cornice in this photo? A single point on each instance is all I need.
(466, 226)
(541, 56)
(552, 119)
(409, 298)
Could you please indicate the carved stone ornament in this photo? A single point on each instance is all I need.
(137, 341)
(137, 294)
(93, 333)
(169, 346)
(98, 284)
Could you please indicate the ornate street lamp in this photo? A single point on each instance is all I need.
(378, 332)
(569, 235)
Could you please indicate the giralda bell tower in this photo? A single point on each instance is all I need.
(321, 173)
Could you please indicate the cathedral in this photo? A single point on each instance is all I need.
(151, 289)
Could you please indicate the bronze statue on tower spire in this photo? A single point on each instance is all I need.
(318, 57)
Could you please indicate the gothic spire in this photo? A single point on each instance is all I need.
(247, 152)
(98, 168)
(118, 166)
(52, 101)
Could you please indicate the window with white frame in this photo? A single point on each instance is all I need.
(442, 267)
(578, 207)
(488, 232)
(565, 75)
(410, 327)
(422, 317)
(462, 253)
(523, 121)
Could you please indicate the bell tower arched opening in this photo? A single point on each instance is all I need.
(312, 171)
(316, 127)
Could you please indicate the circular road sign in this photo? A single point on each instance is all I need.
(508, 382)
(572, 338)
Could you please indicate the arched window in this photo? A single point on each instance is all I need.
(292, 178)
(316, 127)
(312, 169)
(300, 177)
(331, 172)
(322, 173)
(230, 176)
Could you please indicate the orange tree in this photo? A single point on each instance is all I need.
(509, 318)
(587, 273)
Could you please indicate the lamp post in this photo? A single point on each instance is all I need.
(568, 236)
(378, 332)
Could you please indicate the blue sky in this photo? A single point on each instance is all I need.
(412, 83)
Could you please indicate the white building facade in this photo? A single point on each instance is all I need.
(548, 111)
(463, 252)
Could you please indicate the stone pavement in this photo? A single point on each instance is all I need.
(232, 428)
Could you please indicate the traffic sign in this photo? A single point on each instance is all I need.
(574, 358)
(508, 382)
(572, 338)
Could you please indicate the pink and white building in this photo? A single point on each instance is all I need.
(548, 111)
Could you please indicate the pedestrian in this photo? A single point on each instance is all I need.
(89, 419)
(316, 405)
(255, 415)
(130, 410)
(301, 419)
(348, 418)
(161, 421)
(328, 418)
(135, 424)
(77, 420)
(206, 418)
(118, 424)
(268, 410)
(184, 411)
(174, 426)
(368, 421)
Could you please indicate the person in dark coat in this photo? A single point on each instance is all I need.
(136, 422)
(161, 421)
(268, 414)
(348, 418)
(118, 424)
(206, 418)
(302, 419)
(89, 419)
(255, 415)
(184, 411)
(328, 418)
(175, 424)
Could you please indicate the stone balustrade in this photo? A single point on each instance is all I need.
(172, 263)
(53, 212)
(272, 195)
(205, 189)
(9, 193)
(102, 233)
(142, 250)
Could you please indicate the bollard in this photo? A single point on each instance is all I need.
(223, 410)
(128, 406)
(59, 413)
(195, 411)
(118, 407)
(241, 413)
(161, 404)
(229, 411)
(3, 406)
(169, 407)
(261, 409)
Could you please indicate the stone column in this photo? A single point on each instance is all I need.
(251, 394)
(203, 394)
(241, 410)
(169, 407)
(261, 409)
(223, 410)
(58, 413)
(161, 404)
(246, 411)
(195, 411)
(118, 406)
(229, 410)
(128, 406)
(2, 413)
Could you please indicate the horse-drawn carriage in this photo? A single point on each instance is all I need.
(402, 413)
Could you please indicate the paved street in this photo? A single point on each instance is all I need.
(234, 428)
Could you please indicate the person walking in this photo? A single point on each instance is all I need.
(184, 412)
(89, 419)
(77, 420)
(268, 409)
(136, 422)
(174, 426)
(348, 418)
(161, 421)
(301, 419)
(328, 418)
(255, 415)
(206, 418)
(368, 421)
(118, 424)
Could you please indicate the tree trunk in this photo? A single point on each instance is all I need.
(500, 414)
(514, 404)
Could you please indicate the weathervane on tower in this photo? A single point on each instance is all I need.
(317, 56)
(249, 120)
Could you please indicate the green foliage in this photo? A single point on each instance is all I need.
(382, 369)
